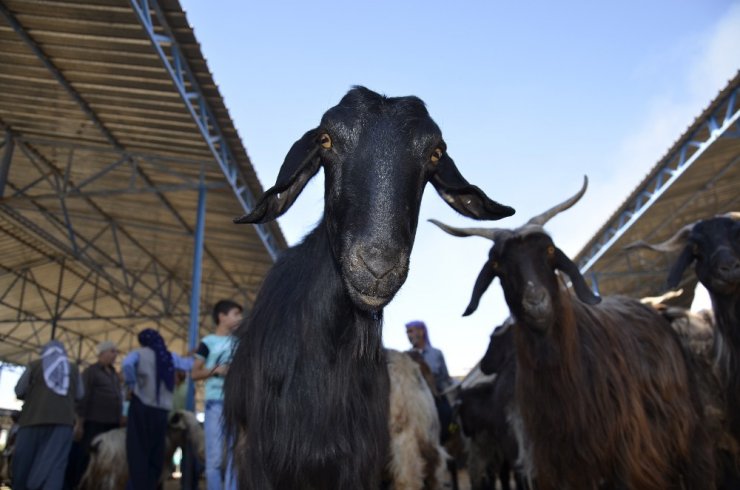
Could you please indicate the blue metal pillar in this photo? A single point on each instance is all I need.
(195, 292)
(8, 145)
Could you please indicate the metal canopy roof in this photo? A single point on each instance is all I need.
(698, 178)
(110, 125)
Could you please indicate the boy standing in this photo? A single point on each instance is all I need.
(212, 361)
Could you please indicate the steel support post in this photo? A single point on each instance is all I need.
(7, 156)
(195, 287)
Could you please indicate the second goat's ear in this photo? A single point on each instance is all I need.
(463, 197)
(301, 163)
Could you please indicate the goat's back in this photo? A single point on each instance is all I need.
(107, 468)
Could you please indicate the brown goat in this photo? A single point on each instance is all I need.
(604, 388)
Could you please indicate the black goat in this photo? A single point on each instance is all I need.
(603, 388)
(486, 411)
(714, 246)
(306, 397)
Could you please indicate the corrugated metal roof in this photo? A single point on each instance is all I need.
(99, 207)
(704, 187)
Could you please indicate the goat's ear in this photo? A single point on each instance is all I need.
(463, 197)
(485, 278)
(301, 163)
(683, 261)
(564, 264)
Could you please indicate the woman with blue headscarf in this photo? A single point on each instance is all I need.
(149, 373)
(48, 387)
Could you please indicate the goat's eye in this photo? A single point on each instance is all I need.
(695, 250)
(325, 141)
(494, 264)
(550, 251)
(436, 155)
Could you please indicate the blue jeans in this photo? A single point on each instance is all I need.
(214, 432)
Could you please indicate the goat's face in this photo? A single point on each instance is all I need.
(525, 265)
(378, 154)
(500, 348)
(714, 244)
(525, 261)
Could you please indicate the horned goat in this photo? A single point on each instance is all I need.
(603, 387)
(713, 245)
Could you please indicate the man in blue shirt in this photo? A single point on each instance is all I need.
(211, 364)
(419, 338)
(418, 335)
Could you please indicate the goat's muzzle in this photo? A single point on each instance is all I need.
(537, 306)
(726, 268)
(373, 275)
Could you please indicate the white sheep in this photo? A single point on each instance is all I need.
(107, 469)
(417, 461)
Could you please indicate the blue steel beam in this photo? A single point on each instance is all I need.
(189, 89)
(8, 147)
(673, 167)
(195, 288)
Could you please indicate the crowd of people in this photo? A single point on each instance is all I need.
(63, 410)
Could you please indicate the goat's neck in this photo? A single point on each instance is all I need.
(328, 310)
(727, 317)
(555, 351)
(727, 344)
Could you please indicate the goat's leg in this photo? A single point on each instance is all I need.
(452, 468)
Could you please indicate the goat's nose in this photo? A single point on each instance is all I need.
(533, 295)
(729, 267)
(378, 261)
(725, 262)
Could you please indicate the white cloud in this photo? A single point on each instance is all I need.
(667, 115)
(713, 62)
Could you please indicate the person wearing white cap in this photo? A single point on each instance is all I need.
(101, 408)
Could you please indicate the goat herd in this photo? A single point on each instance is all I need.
(589, 393)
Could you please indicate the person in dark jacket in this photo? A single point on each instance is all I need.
(48, 388)
(99, 411)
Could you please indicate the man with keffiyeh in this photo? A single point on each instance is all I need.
(149, 374)
(419, 338)
(48, 388)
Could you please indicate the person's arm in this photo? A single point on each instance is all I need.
(199, 370)
(182, 363)
(83, 405)
(21, 387)
(128, 367)
(80, 389)
(444, 375)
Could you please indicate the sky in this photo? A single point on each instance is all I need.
(530, 96)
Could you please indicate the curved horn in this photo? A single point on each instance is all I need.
(657, 300)
(733, 215)
(490, 233)
(543, 218)
(676, 242)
